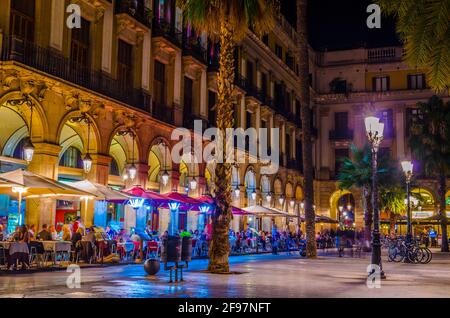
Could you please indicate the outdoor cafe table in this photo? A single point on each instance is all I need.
(57, 246)
(15, 247)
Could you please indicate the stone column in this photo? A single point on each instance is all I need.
(45, 163)
(146, 61)
(203, 94)
(57, 24)
(100, 169)
(177, 79)
(107, 47)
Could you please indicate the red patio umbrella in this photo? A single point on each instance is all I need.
(186, 202)
(156, 198)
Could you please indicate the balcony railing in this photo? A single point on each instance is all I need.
(55, 64)
(193, 47)
(163, 113)
(135, 9)
(341, 134)
(168, 31)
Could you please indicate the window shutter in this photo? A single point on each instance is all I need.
(374, 84)
(388, 83)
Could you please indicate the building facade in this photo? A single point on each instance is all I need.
(349, 85)
(136, 72)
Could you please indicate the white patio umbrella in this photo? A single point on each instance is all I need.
(30, 185)
(259, 210)
(102, 192)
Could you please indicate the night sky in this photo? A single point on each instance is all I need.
(341, 24)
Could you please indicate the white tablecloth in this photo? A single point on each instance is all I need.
(57, 246)
(15, 247)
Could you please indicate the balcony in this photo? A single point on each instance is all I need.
(336, 135)
(135, 9)
(189, 121)
(55, 64)
(293, 164)
(193, 47)
(163, 113)
(164, 29)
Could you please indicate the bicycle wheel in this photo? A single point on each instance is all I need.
(414, 255)
(428, 256)
(399, 255)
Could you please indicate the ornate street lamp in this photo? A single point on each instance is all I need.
(87, 160)
(408, 170)
(374, 130)
(165, 176)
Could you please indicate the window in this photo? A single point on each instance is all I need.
(22, 19)
(381, 84)
(114, 168)
(248, 120)
(79, 47)
(416, 81)
(71, 158)
(265, 39)
(279, 51)
(264, 84)
(188, 99)
(339, 156)
(387, 118)
(299, 154)
(288, 147)
(298, 108)
(341, 121)
(250, 73)
(159, 88)
(411, 115)
(125, 65)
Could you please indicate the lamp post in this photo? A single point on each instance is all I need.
(408, 170)
(374, 130)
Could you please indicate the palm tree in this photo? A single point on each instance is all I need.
(226, 21)
(392, 200)
(305, 100)
(430, 144)
(424, 27)
(356, 172)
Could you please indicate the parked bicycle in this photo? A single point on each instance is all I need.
(411, 252)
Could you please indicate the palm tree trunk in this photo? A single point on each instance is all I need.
(368, 219)
(220, 246)
(442, 212)
(303, 60)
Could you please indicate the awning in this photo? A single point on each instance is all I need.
(38, 186)
(325, 219)
(102, 192)
(155, 198)
(259, 210)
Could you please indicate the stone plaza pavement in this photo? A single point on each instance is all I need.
(260, 276)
